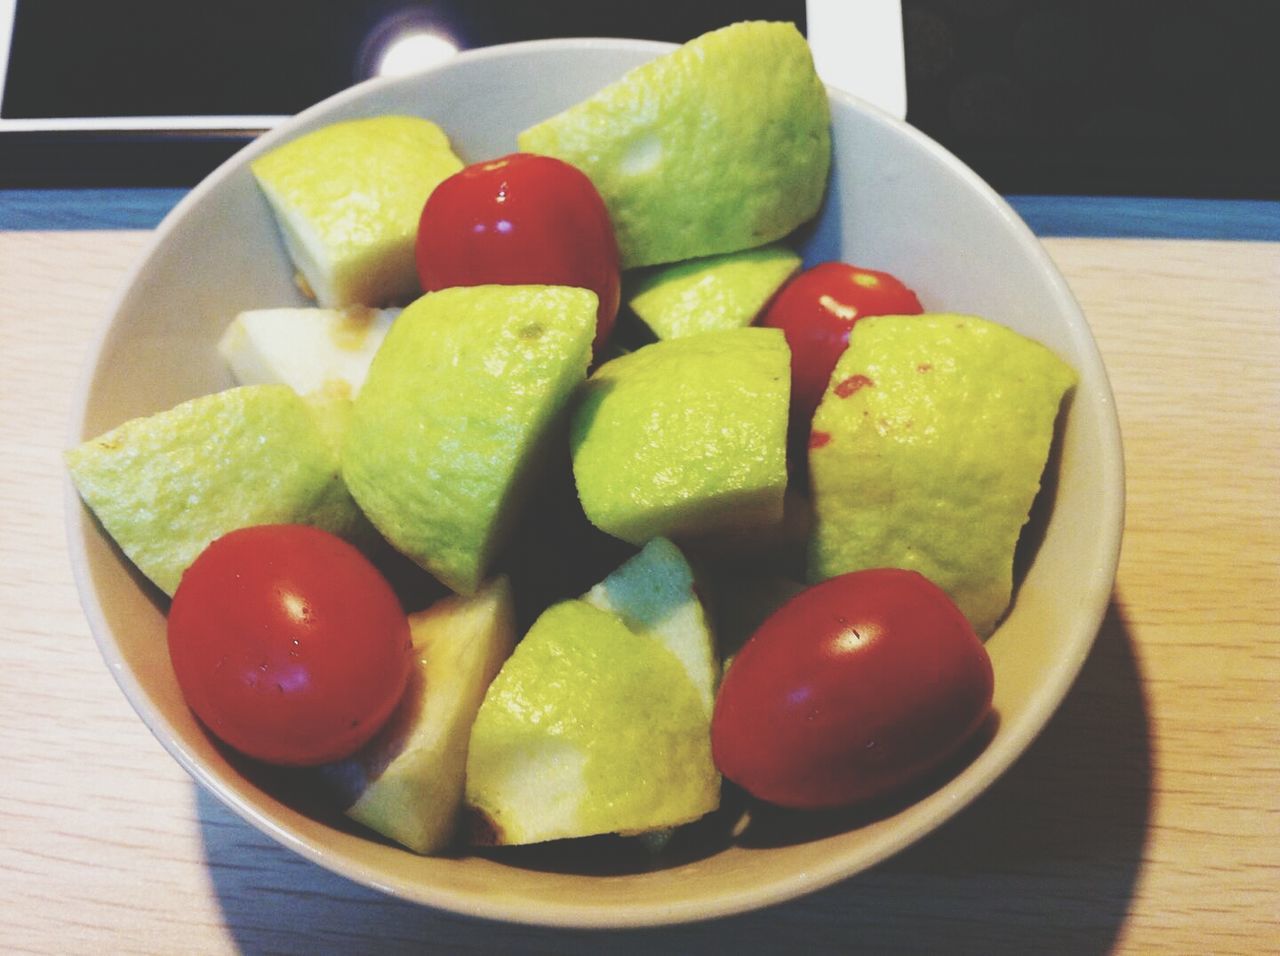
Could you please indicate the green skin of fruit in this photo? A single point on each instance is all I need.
(686, 438)
(348, 197)
(167, 485)
(655, 593)
(589, 728)
(459, 401)
(716, 292)
(927, 450)
(722, 144)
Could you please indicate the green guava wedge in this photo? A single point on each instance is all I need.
(336, 510)
(347, 198)
(726, 291)
(927, 452)
(407, 782)
(590, 727)
(722, 144)
(167, 485)
(686, 438)
(654, 592)
(457, 408)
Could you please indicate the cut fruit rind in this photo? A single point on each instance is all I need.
(686, 438)
(590, 728)
(347, 198)
(727, 291)
(165, 486)
(722, 144)
(407, 783)
(655, 593)
(454, 415)
(927, 452)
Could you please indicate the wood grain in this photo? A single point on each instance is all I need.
(1146, 819)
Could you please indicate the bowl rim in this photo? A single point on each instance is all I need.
(935, 809)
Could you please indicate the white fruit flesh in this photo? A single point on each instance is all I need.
(407, 782)
(307, 349)
(600, 720)
(654, 592)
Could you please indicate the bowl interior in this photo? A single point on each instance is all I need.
(896, 202)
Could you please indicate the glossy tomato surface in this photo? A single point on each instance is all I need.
(853, 689)
(288, 644)
(520, 219)
(816, 310)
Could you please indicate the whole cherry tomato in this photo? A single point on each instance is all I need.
(816, 310)
(854, 688)
(521, 219)
(288, 644)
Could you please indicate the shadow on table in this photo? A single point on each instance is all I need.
(1058, 843)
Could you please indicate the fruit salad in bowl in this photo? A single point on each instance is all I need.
(596, 459)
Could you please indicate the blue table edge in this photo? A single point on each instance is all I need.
(1048, 216)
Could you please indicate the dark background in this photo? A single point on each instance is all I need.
(1084, 97)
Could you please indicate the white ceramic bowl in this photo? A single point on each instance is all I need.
(897, 201)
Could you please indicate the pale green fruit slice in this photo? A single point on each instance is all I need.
(167, 485)
(458, 405)
(347, 198)
(308, 349)
(927, 453)
(407, 782)
(686, 438)
(727, 291)
(336, 510)
(655, 593)
(589, 728)
(722, 144)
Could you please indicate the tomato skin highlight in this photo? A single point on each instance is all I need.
(857, 687)
(521, 219)
(288, 644)
(816, 310)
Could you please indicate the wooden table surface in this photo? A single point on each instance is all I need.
(1146, 819)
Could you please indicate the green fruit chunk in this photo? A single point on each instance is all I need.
(716, 292)
(336, 510)
(686, 438)
(407, 782)
(589, 728)
(927, 451)
(654, 593)
(459, 404)
(722, 144)
(167, 485)
(347, 198)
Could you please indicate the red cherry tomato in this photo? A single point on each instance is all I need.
(816, 310)
(521, 219)
(856, 687)
(288, 644)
